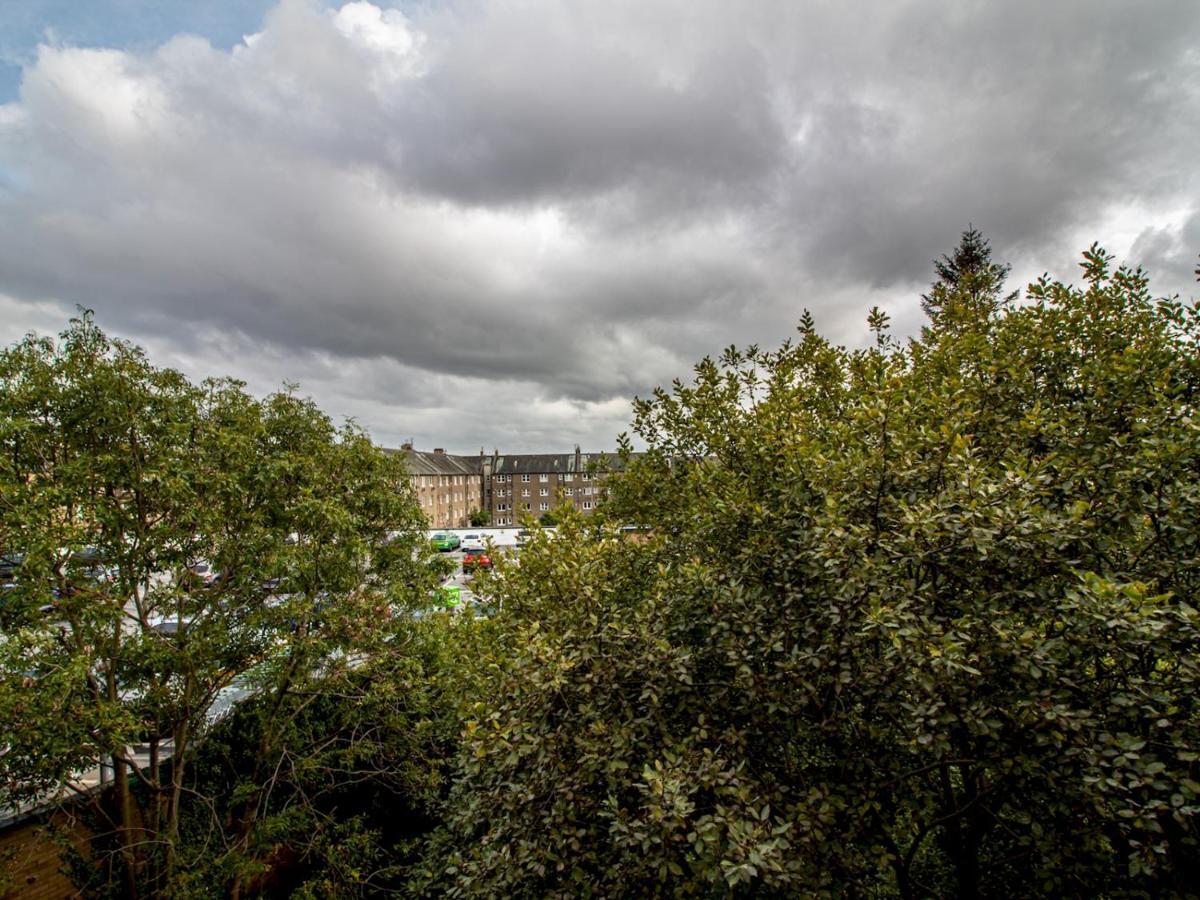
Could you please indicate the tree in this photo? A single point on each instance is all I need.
(968, 284)
(178, 542)
(357, 775)
(914, 620)
(480, 518)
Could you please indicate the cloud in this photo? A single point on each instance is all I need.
(471, 219)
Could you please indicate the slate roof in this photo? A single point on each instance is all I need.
(421, 462)
(554, 463)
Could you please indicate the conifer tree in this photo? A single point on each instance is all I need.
(968, 283)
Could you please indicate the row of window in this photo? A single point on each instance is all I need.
(545, 492)
(440, 480)
(543, 506)
(541, 476)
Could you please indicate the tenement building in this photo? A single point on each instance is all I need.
(508, 487)
(448, 487)
(532, 484)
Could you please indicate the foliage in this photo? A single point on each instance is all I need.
(480, 518)
(356, 777)
(119, 483)
(917, 619)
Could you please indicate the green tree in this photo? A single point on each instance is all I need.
(914, 620)
(968, 284)
(119, 483)
(480, 518)
(357, 777)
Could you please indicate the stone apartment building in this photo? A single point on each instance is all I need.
(448, 487)
(508, 487)
(532, 484)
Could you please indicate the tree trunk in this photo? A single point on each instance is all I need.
(960, 836)
(171, 829)
(125, 832)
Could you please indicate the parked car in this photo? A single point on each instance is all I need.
(445, 541)
(475, 560)
(472, 542)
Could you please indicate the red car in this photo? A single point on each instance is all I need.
(476, 559)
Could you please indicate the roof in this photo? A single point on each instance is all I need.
(421, 462)
(557, 463)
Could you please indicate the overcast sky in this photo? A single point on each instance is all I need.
(494, 223)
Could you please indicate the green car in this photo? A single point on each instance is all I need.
(444, 541)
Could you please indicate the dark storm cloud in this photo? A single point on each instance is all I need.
(420, 216)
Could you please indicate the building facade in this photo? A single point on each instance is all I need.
(508, 487)
(533, 484)
(448, 487)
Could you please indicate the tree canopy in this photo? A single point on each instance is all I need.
(916, 619)
(176, 544)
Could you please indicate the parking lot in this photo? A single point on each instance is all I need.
(503, 539)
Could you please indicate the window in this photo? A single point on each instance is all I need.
(544, 492)
(587, 492)
(527, 506)
(543, 477)
(570, 492)
(524, 492)
(525, 479)
(544, 506)
(587, 504)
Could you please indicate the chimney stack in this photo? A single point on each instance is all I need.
(441, 450)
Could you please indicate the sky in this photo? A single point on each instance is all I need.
(492, 224)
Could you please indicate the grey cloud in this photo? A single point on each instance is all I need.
(1171, 254)
(570, 202)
